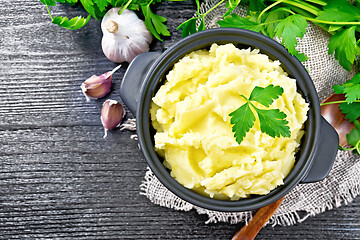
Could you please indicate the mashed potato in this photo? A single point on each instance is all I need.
(190, 113)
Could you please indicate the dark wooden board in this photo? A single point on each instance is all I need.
(58, 177)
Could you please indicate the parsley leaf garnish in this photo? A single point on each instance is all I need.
(272, 18)
(189, 27)
(288, 29)
(236, 21)
(48, 2)
(154, 22)
(353, 139)
(102, 4)
(266, 96)
(351, 89)
(351, 110)
(344, 44)
(339, 11)
(89, 7)
(272, 121)
(243, 119)
(231, 5)
(72, 24)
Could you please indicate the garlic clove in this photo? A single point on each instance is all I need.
(112, 113)
(125, 35)
(98, 86)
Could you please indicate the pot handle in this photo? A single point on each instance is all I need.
(134, 78)
(325, 154)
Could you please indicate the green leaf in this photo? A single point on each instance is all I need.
(256, 5)
(242, 119)
(71, 2)
(72, 24)
(267, 95)
(351, 89)
(273, 122)
(188, 27)
(338, 89)
(231, 5)
(352, 93)
(288, 29)
(339, 11)
(344, 44)
(201, 25)
(351, 110)
(301, 56)
(89, 7)
(101, 4)
(272, 17)
(154, 22)
(353, 137)
(236, 21)
(334, 28)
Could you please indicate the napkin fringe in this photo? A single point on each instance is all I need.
(153, 189)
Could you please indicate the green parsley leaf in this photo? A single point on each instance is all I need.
(273, 122)
(243, 119)
(344, 44)
(154, 22)
(201, 25)
(236, 21)
(231, 5)
(101, 4)
(288, 29)
(352, 93)
(338, 89)
(353, 137)
(301, 56)
(49, 2)
(266, 96)
(256, 5)
(71, 2)
(339, 11)
(188, 27)
(89, 7)
(351, 89)
(72, 24)
(351, 110)
(272, 18)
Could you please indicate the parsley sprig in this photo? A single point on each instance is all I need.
(350, 107)
(353, 139)
(287, 19)
(272, 121)
(98, 8)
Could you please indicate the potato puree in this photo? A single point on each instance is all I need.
(190, 113)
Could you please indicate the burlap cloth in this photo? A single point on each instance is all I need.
(340, 187)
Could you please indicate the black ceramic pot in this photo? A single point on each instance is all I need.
(147, 72)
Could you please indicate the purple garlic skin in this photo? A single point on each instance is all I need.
(112, 113)
(98, 86)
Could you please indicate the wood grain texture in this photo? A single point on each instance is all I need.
(58, 177)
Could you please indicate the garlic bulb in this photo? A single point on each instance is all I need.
(125, 35)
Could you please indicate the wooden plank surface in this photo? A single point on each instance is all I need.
(58, 177)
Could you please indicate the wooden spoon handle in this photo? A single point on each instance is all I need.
(249, 232)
